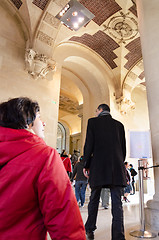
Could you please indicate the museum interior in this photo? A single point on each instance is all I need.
(70, 67)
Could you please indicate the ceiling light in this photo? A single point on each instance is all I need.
(80, 19)
(74, 15)
(76, 25)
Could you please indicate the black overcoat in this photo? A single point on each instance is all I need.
(105, 151)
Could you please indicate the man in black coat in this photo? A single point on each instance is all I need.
(104, 155)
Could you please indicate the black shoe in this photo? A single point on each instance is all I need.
(90, 235)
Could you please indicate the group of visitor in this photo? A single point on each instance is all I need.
(130, 177)
(35, 191)
(74, 166)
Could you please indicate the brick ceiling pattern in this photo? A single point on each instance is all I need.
(40, 3)
(142, 75)
(17, 3)
(102, 9)
(102, 44)
(135, 54)
(133, 9)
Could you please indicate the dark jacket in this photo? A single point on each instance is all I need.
(105, 151)
(78, 171)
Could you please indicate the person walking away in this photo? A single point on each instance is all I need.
(104, 156)
(81, 181)
(133, 174)
(74, 158)
(128, 187)
(67, 163)
(35, 192)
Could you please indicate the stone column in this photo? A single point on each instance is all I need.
(80, 115)
(148, 14)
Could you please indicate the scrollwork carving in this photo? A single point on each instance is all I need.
(125, 105)
(38, 65)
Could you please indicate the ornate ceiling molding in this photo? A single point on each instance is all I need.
(68, 105)
(122, 27)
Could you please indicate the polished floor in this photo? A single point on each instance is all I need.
(131, 218)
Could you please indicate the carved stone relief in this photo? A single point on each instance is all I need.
(68, 105)
(61, 3)
(45, 38)
(38, 65)
(50, 19)
(125, 105)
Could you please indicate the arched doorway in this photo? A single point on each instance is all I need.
(61, 138)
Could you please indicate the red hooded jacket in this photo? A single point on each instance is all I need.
(35, 192)
(67, 163)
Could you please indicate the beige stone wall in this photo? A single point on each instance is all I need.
(15, 81)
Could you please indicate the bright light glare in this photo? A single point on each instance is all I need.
(80, 19)
(61, 14)
(75, 25)
(74, 14)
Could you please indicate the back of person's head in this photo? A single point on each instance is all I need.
(131, 165)
(126, 164)
(81, 159)
(104, 107)
(18, 113)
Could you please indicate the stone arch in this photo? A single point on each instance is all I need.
(22, 23)
(133, 78)
(67, 134)
(79, 58)
(90, 72)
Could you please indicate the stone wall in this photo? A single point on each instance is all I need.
(15, 80)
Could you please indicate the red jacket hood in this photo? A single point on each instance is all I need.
(14, 142)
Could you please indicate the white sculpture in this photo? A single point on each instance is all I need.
(38, 65)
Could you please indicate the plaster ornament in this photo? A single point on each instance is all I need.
(38, 65)
(125, 105)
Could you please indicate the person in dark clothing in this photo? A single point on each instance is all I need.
(81, 181)
(104, 156)
(128, 187)
(74, 158)
(133, 174)
(63, 151)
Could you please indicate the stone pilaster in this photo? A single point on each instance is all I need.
(148, 14)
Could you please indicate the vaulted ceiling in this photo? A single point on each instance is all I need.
(112, 34)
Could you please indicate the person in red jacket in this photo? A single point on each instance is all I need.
(35, 192)
(66, 162)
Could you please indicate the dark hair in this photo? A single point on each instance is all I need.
(131, 165)
(125, 163)
(17, 113)
(82, 159)
(104, 107)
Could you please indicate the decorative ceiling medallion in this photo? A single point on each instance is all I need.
(122, 28)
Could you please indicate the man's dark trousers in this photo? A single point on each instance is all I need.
(117, 212)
